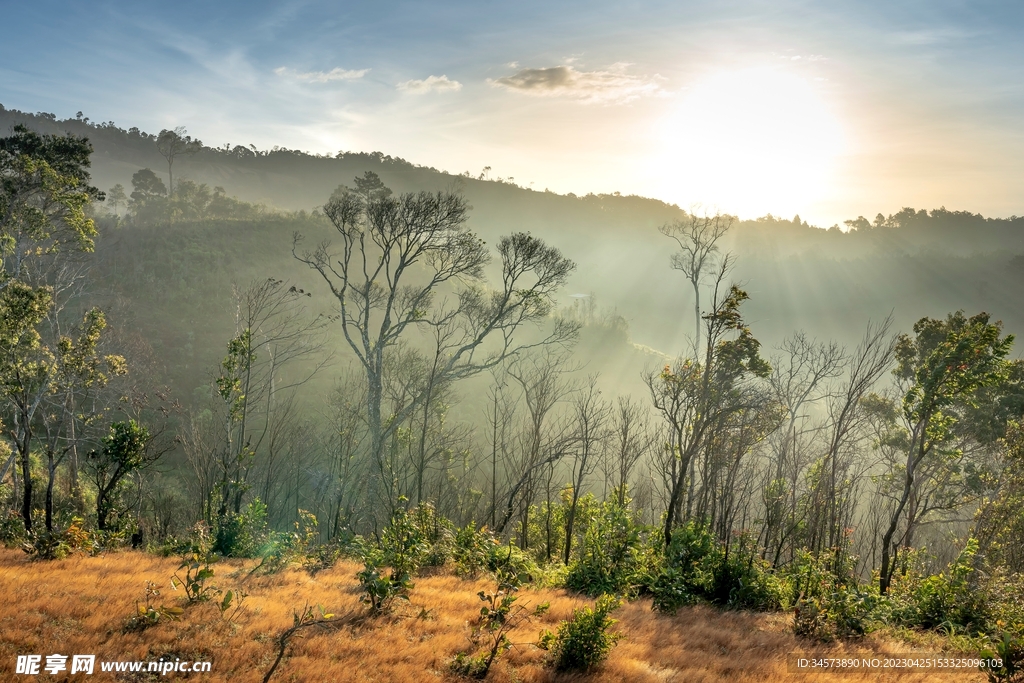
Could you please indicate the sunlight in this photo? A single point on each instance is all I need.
(750, 142)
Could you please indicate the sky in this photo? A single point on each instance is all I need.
(824, 109)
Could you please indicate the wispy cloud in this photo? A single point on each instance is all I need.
(431, 84)
(335, 74)
(611, 85)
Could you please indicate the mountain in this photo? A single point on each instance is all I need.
(827, 282)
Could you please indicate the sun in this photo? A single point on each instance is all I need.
(750, 142)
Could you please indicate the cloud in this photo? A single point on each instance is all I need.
(613, 85)
(431, 84)
(335, 74)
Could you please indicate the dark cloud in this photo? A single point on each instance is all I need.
(611, 85)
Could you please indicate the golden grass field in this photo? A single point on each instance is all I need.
(80, 606)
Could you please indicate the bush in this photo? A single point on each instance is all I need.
(12, 529)
(697, 567)
(828, 602)
(196, 561)
(615, 556)
(583, 642)
(471, 550)
(403, 546)
(512, 561)
(956, 600)
(498, 617)
(243, 534)
(685, 573)
(58, 544)
(436, 534)
(1005, 659)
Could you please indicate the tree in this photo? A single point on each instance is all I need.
(125, 450)
(146, 185)
(44, 192)
(697, 237)
(399, 257)
(941, 369)
(590, 417)
(172, 144)
(25, 371)
(696, 397)
(274, 332)
(117, 198)
(78, 371)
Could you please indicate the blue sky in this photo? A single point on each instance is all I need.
(829, 109)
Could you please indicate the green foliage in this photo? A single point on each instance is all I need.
(150, 614)
(12, 530)
(403, 546)
(957, 600)
(124, 451)
(499, 616)
(1005, 659)
(244, 534)
(381, 589)
(44, 193)
(315, 556)
(511, 562)
(58, 544)
(829, 603)
(435, 533)
(196, 562)
(616, 555)
(685, 574)
(697, 567)
(471, 550)
(583, 642)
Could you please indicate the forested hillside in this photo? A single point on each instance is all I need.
(298, 359)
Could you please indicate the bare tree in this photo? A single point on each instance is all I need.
(697, 237)
(846, 419)
(274, 331)
(541, 443)
(632, 440)
(399, 255)
(172, 144)
(590, 426)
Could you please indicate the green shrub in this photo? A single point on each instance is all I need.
(150, 614)
(742, 580)
(498, 617)
(684, 577)
(512, 561)
(615, 556)
(1005, 659)
(583, 642)
(12, 528)
(957, 600)
(436, 533)
(697, 567)
(58, 544)
(196, 562)
(829, 604)
(243, 534)
(403, 546)
(471, 550)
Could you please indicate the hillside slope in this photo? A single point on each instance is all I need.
(80, 606)
(826, 282)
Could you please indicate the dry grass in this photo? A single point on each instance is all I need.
(80, 606)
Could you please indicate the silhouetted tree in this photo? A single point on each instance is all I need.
(387, 243)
